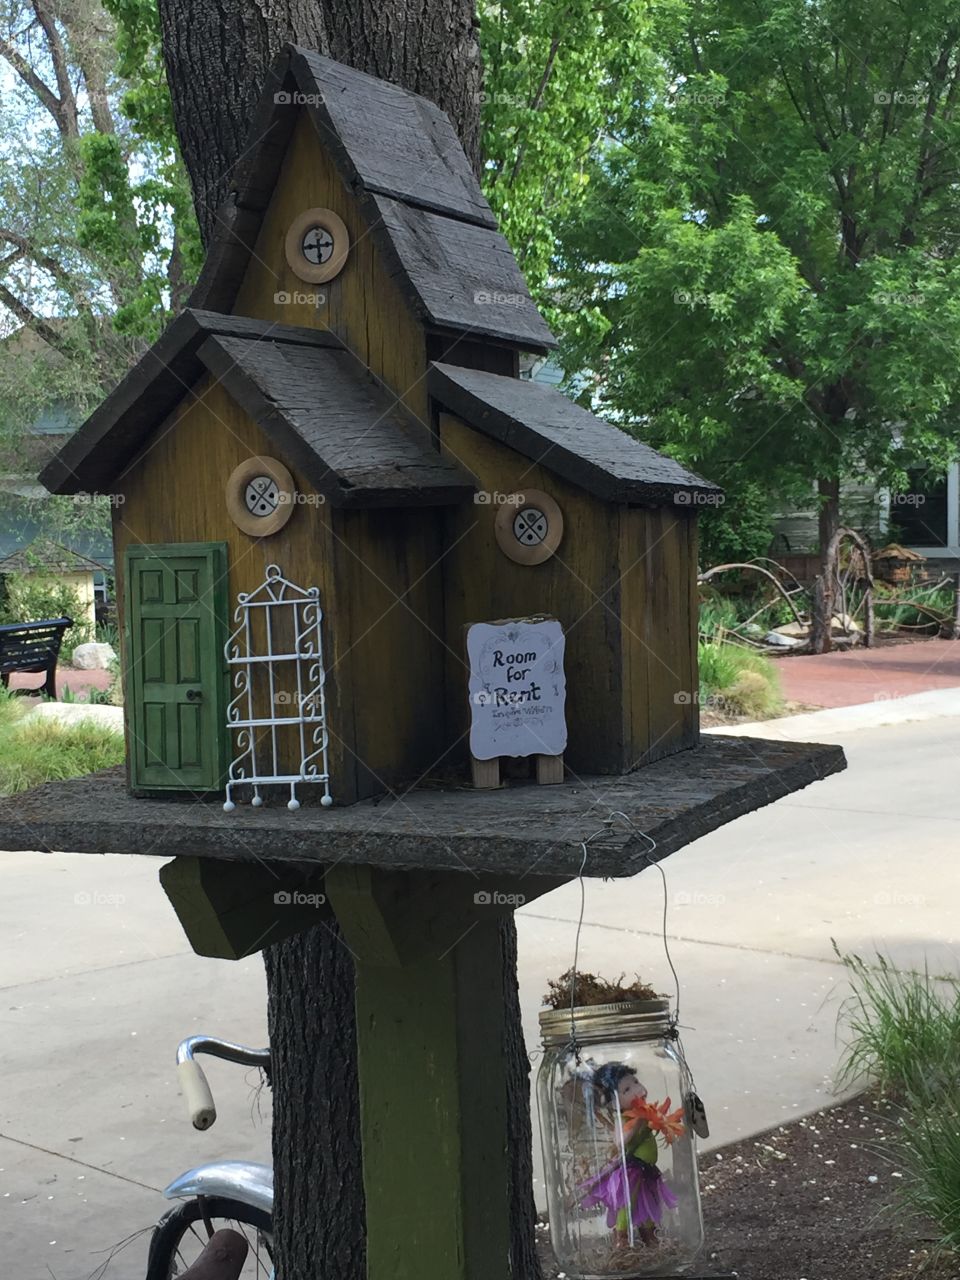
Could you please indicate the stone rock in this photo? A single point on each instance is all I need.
(93, 656)
(781, 641)
(68, 713)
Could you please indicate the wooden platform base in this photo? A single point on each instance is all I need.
(517, 830)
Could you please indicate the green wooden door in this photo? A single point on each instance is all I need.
(176, 606)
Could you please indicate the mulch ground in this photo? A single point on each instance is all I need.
(814, 1200)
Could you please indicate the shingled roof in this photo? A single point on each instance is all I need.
(544, 426)
(399, 155)
(343, 432)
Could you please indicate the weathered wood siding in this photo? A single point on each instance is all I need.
(622, 585)
(364, 306)
(376, 652)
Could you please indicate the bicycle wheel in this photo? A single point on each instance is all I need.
(181, 1235)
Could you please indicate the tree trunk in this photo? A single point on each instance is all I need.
(318, 1186)
(216, 58)
(828, 522)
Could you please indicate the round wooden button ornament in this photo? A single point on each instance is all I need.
(260, 496)
(529, 527)
(317, 245)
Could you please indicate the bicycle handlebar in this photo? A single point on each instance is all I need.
(193, 1082)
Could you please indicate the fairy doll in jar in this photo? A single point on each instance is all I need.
(630, 1185)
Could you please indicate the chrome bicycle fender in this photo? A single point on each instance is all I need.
(238, 1179)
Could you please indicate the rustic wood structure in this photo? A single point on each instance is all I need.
(341, 403)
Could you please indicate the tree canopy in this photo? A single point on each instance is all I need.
(741, 217)
(769, 234)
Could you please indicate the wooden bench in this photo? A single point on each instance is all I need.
(32, 648)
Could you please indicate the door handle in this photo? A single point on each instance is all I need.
(194, 695)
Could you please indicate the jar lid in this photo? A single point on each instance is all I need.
(625, 1020)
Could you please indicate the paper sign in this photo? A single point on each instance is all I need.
(517, 688)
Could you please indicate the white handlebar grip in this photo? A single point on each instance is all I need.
(196, 1091)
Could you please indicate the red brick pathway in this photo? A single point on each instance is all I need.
(78, 682)
(868, 675)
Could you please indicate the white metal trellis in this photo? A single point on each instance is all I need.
(291, 675)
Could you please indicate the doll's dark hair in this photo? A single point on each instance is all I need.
(608, 1077)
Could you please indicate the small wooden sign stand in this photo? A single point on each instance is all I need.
(517, 697)
(486, 773)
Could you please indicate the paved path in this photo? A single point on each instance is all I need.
(98, 986)
(78, 682)
(865, 675)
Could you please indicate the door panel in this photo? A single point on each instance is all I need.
(176, 602)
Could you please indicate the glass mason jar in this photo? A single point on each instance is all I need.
(619, 1152)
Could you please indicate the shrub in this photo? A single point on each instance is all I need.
(34, 597)
(904, 1027)
(895, 607)
(905, 1034)
(34, 750)
(738, 682)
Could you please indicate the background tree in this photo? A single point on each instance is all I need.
(770, 239)
(98, 242)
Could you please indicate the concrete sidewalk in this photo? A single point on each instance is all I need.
(843, 679)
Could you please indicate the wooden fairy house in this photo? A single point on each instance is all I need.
(328, 467)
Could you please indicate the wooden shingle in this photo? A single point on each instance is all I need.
(548, 428)
(344, 432)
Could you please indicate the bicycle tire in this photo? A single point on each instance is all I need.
(174, 1225)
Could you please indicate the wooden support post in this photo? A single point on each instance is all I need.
(549, 770)
(432, 1082)
(485, 773)
(229, 910)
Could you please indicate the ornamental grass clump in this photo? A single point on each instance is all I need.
(34, 750)
(904, 1033)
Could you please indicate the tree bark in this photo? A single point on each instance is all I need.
(828, 522)
(217, 56)
(318, 1184)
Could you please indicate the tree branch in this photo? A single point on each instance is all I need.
(30, 78)
(67, 101)
(42, 328)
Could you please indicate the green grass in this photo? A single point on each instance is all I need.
(903, 1027)
(737, 682)
(904, 1033)
(34, 751)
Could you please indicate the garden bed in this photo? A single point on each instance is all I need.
(813, 1200)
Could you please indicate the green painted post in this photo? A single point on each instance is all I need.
(432, 1090)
